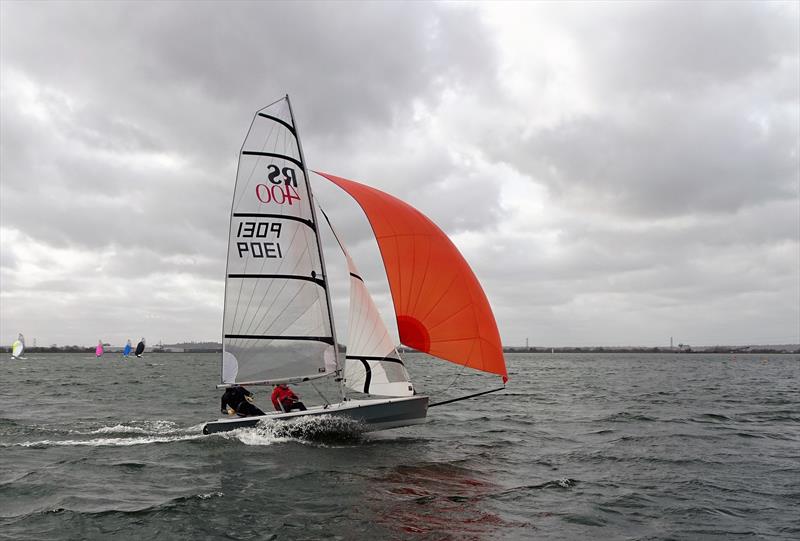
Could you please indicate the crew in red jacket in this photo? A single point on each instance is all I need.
(284, 399)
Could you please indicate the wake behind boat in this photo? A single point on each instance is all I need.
(278, 325)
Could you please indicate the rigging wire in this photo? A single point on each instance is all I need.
(455, 378)
(324, 398)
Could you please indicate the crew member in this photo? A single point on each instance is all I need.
(238, 400)
(284, 399)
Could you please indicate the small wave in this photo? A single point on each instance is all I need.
(152, 427)
(326, 429)
(769, 415)
(250, 436)
(749, 435)
(584, 520)
(710, 418)
(131, 465)
(624, 416)
(104, 442)
(560, 484)
(564, 482)
(158, 507)
(145, 427)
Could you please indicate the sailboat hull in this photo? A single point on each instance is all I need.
(375, 414)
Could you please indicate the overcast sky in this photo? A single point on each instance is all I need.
(616, 173)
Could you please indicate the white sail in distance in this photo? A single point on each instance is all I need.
(277, 323)
(18, 347)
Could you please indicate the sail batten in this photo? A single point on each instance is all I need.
(317, 281)
(279, 121)
(295, 161)
(309, 223)
(326, 339)
(440, 306)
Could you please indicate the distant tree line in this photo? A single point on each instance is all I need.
(215, 347)
(632, 349)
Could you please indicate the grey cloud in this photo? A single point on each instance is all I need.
(165, 76)
(678, 47)
(346, 63)
(698, 110)
(676, 185)
(668, 157)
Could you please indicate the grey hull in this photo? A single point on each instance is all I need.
(375, 414)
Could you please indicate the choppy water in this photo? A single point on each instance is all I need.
(579, 447)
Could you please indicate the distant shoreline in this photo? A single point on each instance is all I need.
(789, 349)
(759, 349)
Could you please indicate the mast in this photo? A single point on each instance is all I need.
(319, 248)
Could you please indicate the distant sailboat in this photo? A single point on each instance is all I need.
(98, 352)
(278, 322)
(128, 348)
(140, 348)
(18, 347)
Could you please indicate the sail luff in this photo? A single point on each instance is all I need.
(228, 248)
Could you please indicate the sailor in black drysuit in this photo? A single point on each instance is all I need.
(237, 399)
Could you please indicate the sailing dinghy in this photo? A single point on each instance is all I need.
(139, 348)
(278, 322)
(127, 350)
(98, 351)
(18, 347)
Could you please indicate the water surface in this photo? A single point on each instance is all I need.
(615, 446)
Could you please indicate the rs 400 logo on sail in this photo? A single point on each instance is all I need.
(282, 188)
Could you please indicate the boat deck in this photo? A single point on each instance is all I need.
(375, 414)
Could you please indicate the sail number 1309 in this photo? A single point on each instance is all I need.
(258, 249)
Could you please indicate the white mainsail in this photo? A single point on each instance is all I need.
(277, 318)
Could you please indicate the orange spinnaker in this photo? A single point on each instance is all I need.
(440, 306)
